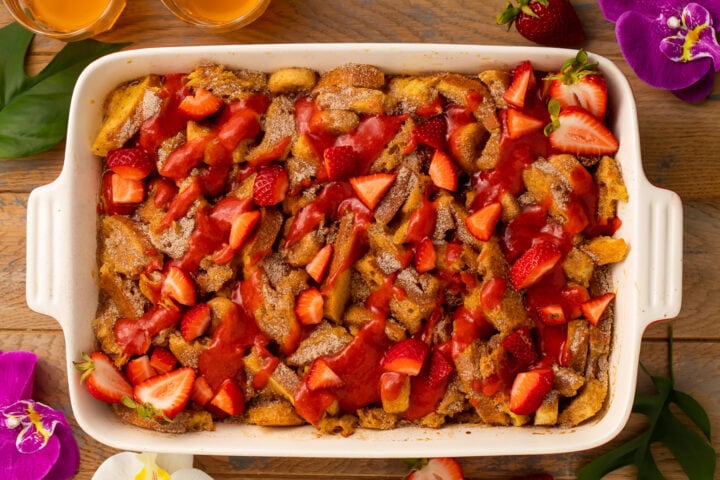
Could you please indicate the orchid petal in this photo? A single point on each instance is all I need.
(698, 91)
(613, 9)
(68, 461)
(38, 423)
(673, 47)
(17, 373)
(131, 465)
(20, 466)
(695, 15)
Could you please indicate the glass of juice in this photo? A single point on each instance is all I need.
(66, 20)
(217, 15)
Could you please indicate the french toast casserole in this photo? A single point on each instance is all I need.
(351, 249)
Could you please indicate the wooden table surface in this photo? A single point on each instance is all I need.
(680, 145)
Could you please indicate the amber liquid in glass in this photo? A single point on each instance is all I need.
(64, 15)
(217, 11)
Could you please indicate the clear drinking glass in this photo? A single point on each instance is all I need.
(217, 15)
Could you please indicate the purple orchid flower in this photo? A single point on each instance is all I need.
(669, 44)
(36, 441)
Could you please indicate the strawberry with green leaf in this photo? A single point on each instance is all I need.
(553, 23)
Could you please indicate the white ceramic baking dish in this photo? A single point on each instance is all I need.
(62, 272)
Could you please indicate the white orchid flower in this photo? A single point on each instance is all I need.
(149, 466)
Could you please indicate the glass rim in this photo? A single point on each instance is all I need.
(253, 14)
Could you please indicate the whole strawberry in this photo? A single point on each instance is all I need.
(553, 23)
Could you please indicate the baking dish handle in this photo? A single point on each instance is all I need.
(44, 288)
(660, 262)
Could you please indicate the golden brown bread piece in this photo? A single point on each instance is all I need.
(230, 85)
(291, 80)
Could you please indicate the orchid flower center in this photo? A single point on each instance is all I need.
(693, 36)
(35, 420)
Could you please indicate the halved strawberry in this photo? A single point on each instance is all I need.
(492, 293)
(102, 378)
(520, 344)
(341, 162)
(139, 369)
(229, 400)
(533, 264)
(242, 226)
(162, 360)
(482, 222)
(594, 308)
(317, 267)
(370, 189)
(437, 469)
(442, 171)
(407, 356)
(580, 83)
(200, 105)
(130, 163)
(321, 375)
(179, 286)
(195, 322)
(309, 306)
(431, 133)
(202, 392)
(523, 79)
(425, 256)
(552, 314)
(529, 390)
(270, 186)
(575, 130)
(166, 395)
(125, 190)
(519, 123)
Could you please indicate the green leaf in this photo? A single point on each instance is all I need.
(693, 410)
(619, 457)
(34, 110)
(694, 454)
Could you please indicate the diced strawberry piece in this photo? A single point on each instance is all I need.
(577, 131)
(179, 286)
(520, 124)
(529, 390)
(309, 306)
(195, 322)
(317, 267)
(243, 124)
(341, 162)
(594, 308)
(574, 296)
(139, 369)
(162, 360)
(425, 256)
(242, 226)
(422, 222)
(406, 356)
(431, 133)
(202, 392)
(437, 469)
(130, 163)
(107, 204)
(552, 314)
(167, 393)
(370, 189)
(103, 379)
(225, 211)
(520, 344)
(533, 264)
(439, 372)
(482, 222)
(430, 109)
(580, 83)
(126, 191)
(270, 187)
(442, 171)
(229, 400)
(492, 293)
(200, 105)
(523, 79)
(321, 375)
(187, 156)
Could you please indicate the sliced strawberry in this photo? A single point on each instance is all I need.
(130, 163)
(406, 356)
(126, 191)
(229, 400)
(242, 124)
(437, 469)
(270, 186)
(492, 293)
(309, 306)
(431, 133)
(425, 256)
(520, 124)
(533, 264)
(102, 378)
(594, 308)
(166, 394)
(139, 369)
(575, 130)
(242, 226)
(529, 390)
(317, 267)
(162, 360)
(202, 392)
(520, 344)
(370, 189)
(179, 286)
(321, 375)
(552, 314)
(195, 322)
(482, 222)
(580, 83)
(341, 162)
(200, 105)
(442, 171)
(523, 79)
